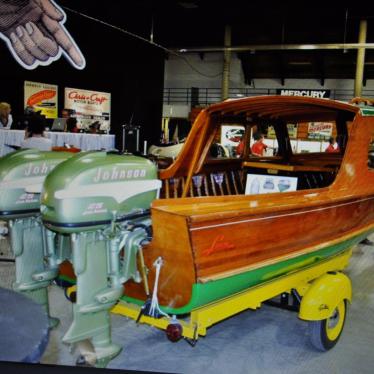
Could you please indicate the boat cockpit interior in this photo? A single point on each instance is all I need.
(293, 160)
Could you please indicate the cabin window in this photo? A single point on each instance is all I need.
(305, 137)
(298, 156)
(269, 141)
(294, 157)
(371, 154)
(227, 141)
(312, 137)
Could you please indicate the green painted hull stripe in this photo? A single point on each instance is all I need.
(67, 279)
(205, 293)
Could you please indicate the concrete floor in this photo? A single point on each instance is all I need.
(268, 340)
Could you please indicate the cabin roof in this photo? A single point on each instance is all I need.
(252, 110)
(282, 107)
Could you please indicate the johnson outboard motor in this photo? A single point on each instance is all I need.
(22, 174)
(103, 201)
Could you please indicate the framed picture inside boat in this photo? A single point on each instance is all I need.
(261, 184)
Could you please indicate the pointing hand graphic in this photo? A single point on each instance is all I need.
(34, 33)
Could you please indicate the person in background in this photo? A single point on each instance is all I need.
(71, 125)
(259, 147)
(34, 135)
(6, 119)
(29, 110)
(29, 114)
(333, 146)
(240, 147)
(95, 127)
(65, 113)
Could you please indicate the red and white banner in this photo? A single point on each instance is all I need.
(89, 106)
(319, 130)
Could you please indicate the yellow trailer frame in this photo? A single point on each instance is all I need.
(322, 288)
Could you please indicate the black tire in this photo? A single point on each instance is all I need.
(325, 334)
(71, 294)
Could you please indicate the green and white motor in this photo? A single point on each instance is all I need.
(22, 174)
(102, 201)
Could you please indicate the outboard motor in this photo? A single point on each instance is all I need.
(103, 201)
(22, 174)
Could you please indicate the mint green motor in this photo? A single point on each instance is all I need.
(102, 200)
(22, 174)
(94, 189)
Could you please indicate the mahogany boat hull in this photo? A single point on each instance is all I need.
(205, 293)
(207, 258)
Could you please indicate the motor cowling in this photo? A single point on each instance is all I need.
(94, 189)
(22, 174)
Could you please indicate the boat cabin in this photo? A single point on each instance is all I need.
(206, 167)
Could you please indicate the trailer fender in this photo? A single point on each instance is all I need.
(324, 295)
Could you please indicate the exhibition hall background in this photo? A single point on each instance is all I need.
(130, 69)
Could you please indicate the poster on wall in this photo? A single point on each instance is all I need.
(89, 107)
(319, 130)
(42, 97)
(261, 184)
(231, 135)
(292, 131)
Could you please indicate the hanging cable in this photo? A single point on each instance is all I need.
(136, 36)
(345, 30)
(151, 36)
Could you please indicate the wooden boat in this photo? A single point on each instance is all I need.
(212, 245)
(216, 241)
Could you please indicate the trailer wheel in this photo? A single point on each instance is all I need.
(325, 333)
(71, 293)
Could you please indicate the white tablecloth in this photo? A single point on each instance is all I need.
(86, 142)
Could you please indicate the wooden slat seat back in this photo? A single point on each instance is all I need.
(205, 184)
(216, 178)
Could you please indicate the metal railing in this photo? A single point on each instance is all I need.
(205, 96)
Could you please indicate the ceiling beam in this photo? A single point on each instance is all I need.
(276, 47)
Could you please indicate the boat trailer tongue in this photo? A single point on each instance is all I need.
(104, 208)
(22, 176)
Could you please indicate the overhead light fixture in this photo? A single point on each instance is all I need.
(188, 4)
(308, 46)
(300, 63)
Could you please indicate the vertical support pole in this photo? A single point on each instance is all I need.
(123, 138)
(360, 59)
(137, 129)
(226, 64)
